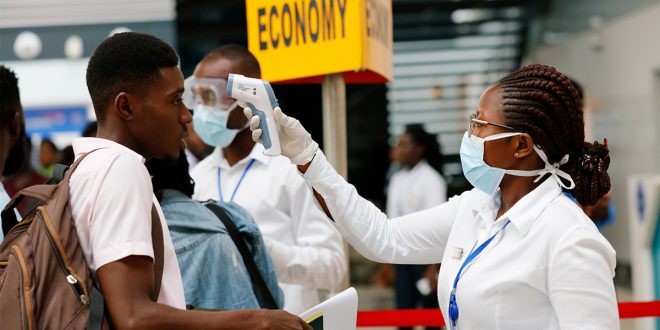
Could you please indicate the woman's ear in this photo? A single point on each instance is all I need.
(524, 147)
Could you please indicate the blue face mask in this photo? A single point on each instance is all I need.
(211, 125)
(487, 178)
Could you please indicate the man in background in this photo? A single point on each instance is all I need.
(12, 130)
(306, 248)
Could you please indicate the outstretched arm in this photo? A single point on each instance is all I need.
(416, 238)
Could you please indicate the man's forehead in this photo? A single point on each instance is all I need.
(215, 68)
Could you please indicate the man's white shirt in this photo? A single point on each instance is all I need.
(306, 249)
(111, 198)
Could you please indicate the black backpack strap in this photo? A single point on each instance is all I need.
(96, 309)
(159, 251)
(58, 172)
(252, 268)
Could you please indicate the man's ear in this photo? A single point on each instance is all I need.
(524, 147)
(123, 105)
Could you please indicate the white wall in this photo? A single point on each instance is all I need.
(54, 82)
(622, 80)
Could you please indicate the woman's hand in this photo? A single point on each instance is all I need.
(296, 143)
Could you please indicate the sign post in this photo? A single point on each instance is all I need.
(333, 42)
(334, 122)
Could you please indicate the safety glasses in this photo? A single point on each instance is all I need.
(475, 123)
(210, 92)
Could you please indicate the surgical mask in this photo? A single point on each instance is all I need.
(487, 178)
(210, 123)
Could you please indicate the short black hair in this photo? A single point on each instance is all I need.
(91, 129)
(126, 62)
(10, 98)
(239, 56)
(171, 174)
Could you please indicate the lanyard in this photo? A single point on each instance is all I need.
(453, 307)
(237, 184)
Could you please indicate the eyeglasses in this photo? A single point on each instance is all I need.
(475, 123)
(207, 91)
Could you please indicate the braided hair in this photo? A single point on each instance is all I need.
(544, 103)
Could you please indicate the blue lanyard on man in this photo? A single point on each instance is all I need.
(453, 307)
(238, 184)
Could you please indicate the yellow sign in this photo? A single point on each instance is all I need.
(294, 39)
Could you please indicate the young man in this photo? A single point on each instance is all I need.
(306, 249)
(136, 90)
(12, 130)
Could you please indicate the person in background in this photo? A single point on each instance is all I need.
(48, 157)
(307, 251)
(214, 275)
(12, 130)
(417, 186)
(25, 177)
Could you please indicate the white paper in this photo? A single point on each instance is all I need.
(336, 313)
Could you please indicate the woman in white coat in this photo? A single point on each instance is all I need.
(516, 253)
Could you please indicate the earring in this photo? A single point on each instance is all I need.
(516, 154)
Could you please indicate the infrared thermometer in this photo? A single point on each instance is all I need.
(259, 97)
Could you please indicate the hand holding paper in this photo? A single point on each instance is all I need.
(336, 313)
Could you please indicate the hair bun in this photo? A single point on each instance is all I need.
(594, 157)
(591, 178)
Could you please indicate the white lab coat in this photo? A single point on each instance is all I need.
(549, 269)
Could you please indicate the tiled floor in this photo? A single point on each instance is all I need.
(373, 298)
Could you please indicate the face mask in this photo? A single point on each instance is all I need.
(211, 125)
(487, 178)
(16, 157)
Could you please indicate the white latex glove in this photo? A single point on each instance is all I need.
(295, 142)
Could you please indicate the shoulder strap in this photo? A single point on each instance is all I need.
(235, 235)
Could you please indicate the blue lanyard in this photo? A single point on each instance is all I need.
(453, 307)
(237, 184)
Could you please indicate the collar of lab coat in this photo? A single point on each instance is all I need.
(525, 212)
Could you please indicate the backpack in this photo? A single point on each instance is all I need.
(45, 281)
